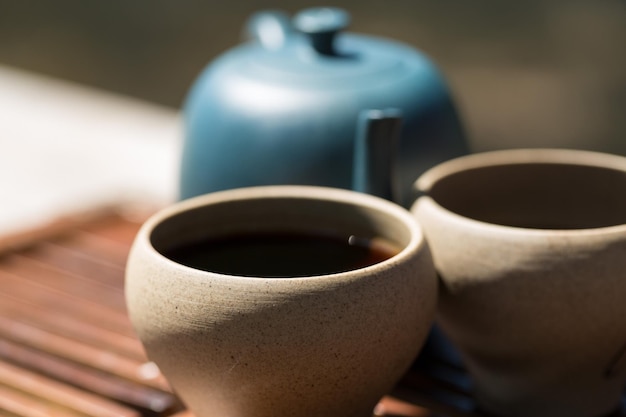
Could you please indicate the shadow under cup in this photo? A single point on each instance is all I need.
(530, 247)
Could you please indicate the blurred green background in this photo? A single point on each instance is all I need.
(525, 73)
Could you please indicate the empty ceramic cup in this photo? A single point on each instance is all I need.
(530, 246)
(281, 300)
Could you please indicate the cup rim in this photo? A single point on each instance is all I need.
(518, 156)
(416, 242)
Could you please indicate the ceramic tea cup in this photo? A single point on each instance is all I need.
(530, 247)
(271, 341)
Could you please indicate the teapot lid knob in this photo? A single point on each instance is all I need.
(271, 28)
(321, 24)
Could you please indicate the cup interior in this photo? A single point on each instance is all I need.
(539, 195)
(227, 215)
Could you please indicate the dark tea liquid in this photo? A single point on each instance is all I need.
(275, 255)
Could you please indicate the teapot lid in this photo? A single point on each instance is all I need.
(311, 50)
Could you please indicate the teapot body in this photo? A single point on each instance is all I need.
(247, 124)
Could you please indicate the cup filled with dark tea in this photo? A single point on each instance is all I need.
(282, 300)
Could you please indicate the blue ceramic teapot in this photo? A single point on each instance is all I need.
(304, 103)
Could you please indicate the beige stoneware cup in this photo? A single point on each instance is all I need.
(319, 346)
(530, 246)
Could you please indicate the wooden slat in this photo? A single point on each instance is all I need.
(77, 263)
(98, 358)
(89, 379)
(61, 394)
(116, 229)
(4, 413)
(25, 405)
(96, 246)
(37, 292)
(86, 287)
(59, 227)
(71, 326)
(392, 407)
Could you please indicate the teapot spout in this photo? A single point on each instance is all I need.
(375, 153)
